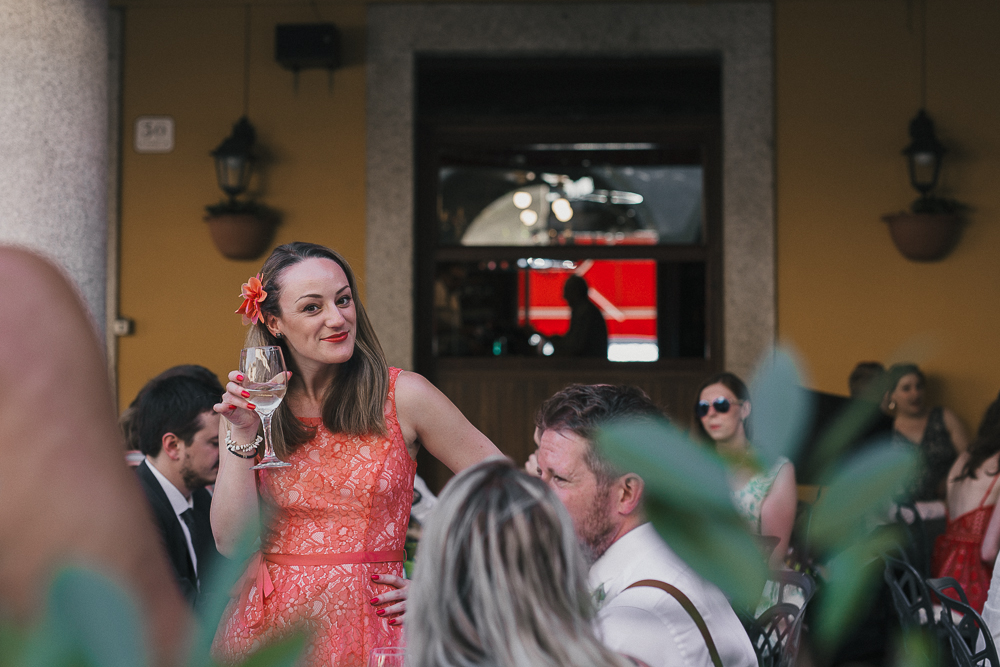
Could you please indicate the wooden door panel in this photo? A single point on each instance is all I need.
(503, 402)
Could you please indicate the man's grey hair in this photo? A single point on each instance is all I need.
(583, 408)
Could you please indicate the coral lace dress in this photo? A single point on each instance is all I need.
(957, 552)
(337, 516)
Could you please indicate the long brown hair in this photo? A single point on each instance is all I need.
(986, 444)
(355, 402)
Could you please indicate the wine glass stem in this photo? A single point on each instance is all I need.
(265, 418)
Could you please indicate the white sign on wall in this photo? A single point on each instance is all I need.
(154, 134)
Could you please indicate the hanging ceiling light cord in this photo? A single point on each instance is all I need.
(923, 54)
(246, 61)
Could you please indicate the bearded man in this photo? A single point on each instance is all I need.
(178, 432)
(651, 605)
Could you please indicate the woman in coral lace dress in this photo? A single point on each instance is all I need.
(968, 548)
(331, 554)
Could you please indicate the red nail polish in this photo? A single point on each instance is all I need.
(245, 394)
(239, 378)
(251, 406)
(373, 601)
(392, 621)
(380, 611)
(374, 577)
(232, 407)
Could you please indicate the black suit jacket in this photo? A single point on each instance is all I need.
(169, 525)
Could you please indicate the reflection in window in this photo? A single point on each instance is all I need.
(600, 205)
(646, 310)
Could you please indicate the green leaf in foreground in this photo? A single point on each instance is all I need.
(689, 503)
(860, 491)
(282, 653)
(91, 619)
(717, 547)
(782, 409)
(220, 578)
(849, 425)
(675, 470)
(916, 648)
(851, 581)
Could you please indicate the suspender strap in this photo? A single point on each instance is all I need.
(692, 611)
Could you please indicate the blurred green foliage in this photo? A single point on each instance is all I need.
(689, 498)
(92, 621)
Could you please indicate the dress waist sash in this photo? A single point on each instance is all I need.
(258, 577)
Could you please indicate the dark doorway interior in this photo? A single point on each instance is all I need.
(533, 170)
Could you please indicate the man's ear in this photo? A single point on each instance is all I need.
(172, 446)
(629, 488)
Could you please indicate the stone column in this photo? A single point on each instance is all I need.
(53, 135)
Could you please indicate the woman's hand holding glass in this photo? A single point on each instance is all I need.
(253, 394)
(236, 406)
(265, 381)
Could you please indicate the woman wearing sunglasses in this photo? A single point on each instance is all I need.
(766, 498)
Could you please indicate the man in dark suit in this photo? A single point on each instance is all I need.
(179, 435)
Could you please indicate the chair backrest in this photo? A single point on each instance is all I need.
(776, 632)
(964, 634)
(789, 580)
(918, 544)
(773, 632)
(910, 595)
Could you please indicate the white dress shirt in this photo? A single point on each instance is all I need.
(179, 503)
(651, 625)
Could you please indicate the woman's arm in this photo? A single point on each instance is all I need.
(991, 539)
(234, 503)
(955, 429)
(427, 417)
(777, 513)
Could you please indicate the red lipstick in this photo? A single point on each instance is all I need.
(337, 338)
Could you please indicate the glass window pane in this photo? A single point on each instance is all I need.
(622, 310)
(580, 205)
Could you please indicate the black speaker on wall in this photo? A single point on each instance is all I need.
(301, 46)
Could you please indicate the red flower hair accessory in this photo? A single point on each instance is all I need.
(253, 295)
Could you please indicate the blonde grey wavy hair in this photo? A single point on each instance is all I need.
(500, 579)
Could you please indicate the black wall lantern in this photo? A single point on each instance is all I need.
(924, 154)
(931, 228)
(234, 159)
(240, 229)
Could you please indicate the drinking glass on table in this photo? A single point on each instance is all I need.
(265, 379)
(387, 656)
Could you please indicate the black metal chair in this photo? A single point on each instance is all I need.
(918, 542)
(964, 634)
(775, 634)
(910, 595)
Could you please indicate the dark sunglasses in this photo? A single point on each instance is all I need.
(721, 405)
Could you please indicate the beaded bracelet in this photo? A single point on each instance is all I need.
(252, 455)
(247, 451)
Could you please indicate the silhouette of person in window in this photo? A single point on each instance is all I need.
(588, 334)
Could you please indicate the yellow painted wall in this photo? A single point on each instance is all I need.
(185, 60)
(847, 86)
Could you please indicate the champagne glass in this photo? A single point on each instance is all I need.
(387, 656)
(265, 379)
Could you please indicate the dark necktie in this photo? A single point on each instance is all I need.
(188, 517)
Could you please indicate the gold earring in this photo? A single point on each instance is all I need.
(892, 405)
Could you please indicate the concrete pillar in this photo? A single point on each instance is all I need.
(53, 135)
